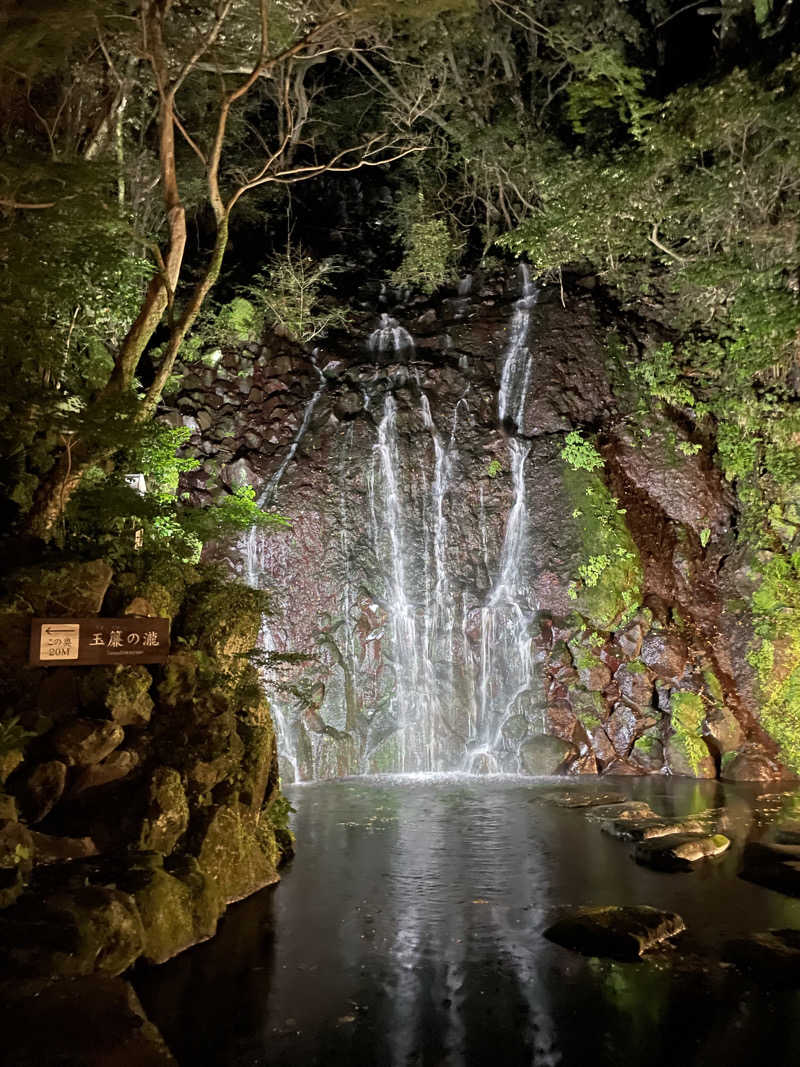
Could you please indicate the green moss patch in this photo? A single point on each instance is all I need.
(687, 718)
(608, 584)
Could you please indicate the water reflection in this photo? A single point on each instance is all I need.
(408, 932)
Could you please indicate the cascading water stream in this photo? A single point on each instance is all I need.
(423, 665)
(402, 615)
(506, 661)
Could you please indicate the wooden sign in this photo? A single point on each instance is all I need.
(98, 642)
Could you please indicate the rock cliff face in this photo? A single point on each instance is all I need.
(136, 802)
(468, 599)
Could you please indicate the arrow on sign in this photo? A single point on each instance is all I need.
(52, 630)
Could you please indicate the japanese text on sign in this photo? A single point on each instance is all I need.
(78, 642)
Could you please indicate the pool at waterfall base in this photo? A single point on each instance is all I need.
(409, 928)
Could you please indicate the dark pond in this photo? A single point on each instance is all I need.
(408, 931)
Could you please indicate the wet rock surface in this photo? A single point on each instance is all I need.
(621, 933)
(420, 462)
(679, 852)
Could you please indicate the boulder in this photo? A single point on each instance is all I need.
(16, 846)
(545, 755)
(166, 814)
(620, 766)
(725, 729)
(176, 912)
(87, 930)
(85, 741)
(230, 854)
(751, 764)
(649, 827)
(626, 809)
(665, 654)
(42, 790)
(622, 727)
(635, 684)
(680, 852)
(630, 640)
(681, 759)
(127, 699)
(647, 754)
(95, 1021)
(621, 933)
(112, 769)
(75, 589)
(52, 849)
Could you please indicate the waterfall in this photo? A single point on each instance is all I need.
(390, 336)
(518, 363)
(427, 602)
(388, 522)
(268, 494)
(505, 672)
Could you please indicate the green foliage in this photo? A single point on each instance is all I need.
(609, 578)
(493, 468)
(293, 294)
(604, 82)
(13, 736)
(705, 535)
(237, 322)
(430, 253)
(279, 811)
(579, 453)
(775, 655)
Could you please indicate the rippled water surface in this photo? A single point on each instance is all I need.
(408, 931)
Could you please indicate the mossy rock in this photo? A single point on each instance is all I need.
(545, 755)
(176, 912)
(230, 854)
(75, 589)
(259, 764)
(122, 693)
(88, 930)
(166, 813)
(687, 752)
(222, 618)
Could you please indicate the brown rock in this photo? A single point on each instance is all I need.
(52, 849)
(113, 768)
(43, 790)
(635, 685)
(545, 755)
(621, 727)
(681, 762)
(622, 933)
(752, 764)
(630, 641)
(86, 741)
(167, 812)
(83, 931)
(561, 720)
(665, 654)
(621, 766)
(230, 854)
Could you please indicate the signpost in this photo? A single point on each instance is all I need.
(98, 642)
